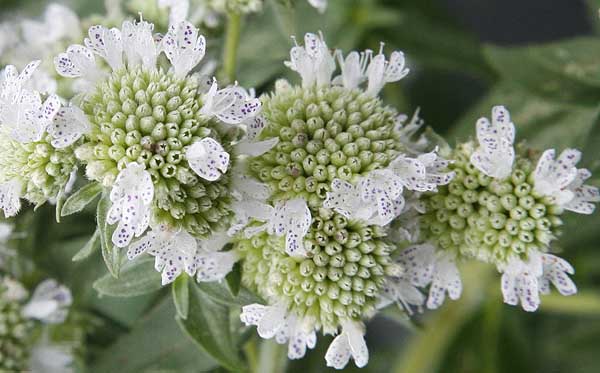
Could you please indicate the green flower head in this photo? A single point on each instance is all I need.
(176, 126)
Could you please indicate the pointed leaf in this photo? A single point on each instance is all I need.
(154, 343)
(208, 325)
(234, 280)
(110, 252)
(181, 295)
(218, 292)
(89, 248)
(78, 200)
(136, 278)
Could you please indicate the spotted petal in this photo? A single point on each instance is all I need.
(183, 47)
(208, 159)
(214, 266)
(70, 123)
(231, 105)
(338, 354)
(107, 44)
(78, 61)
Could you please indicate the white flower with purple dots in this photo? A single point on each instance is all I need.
(131, 198)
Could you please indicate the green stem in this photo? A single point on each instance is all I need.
(232, 40)
(425, 352)
(585, 303)
(272, 358)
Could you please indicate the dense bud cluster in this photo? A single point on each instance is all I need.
(151, 117)
(478, 216)
(325, 133)
(339, 279)
(14, 336)
(41, 169)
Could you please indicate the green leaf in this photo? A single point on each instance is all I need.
(181, 295)
(154, 344)
(110, 253)
(565, 71)
(234, 280)
(136, 278)
(208, 324)
(219, 293)
(83, 197)
(89, 248)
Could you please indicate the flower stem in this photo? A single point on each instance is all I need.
(425, 352)
(232, 40)
(272, 358)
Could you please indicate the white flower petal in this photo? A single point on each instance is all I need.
(139, 43)
(49, 303)
(231, 105)
(183, 47)
(253, 313)
(70, 123)
(208, 159)
(446, 278)
(271, 322)
(215, 266)
(77, 61)
(254, 149)
(131, 197)
(555, 271)
(495, 155)
(10, 194)
(338, 354)
(107, 44)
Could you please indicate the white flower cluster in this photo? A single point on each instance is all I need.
(49, 304)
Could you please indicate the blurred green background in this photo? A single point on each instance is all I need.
(539, 58)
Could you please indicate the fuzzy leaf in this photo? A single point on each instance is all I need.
(181, 295)
(234, 280)
(564, 70)
(89, 248)
(218, 292)
(208, 324)
(110, 252)
(136, 278)
(78, 200)
(154, 343)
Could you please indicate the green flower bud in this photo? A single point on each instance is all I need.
(475, 215)
(154, 115)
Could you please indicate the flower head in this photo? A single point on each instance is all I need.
(499, 208)
(162, 120)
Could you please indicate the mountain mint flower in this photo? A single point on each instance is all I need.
(349, 343)
(164, 121)
(503, 207)
(31, 167)
(176, 251)
(14, 334)
(131, 197)
(50, 303)
(335, 176)
(23, 347)
(274, 322)
(495, 155)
